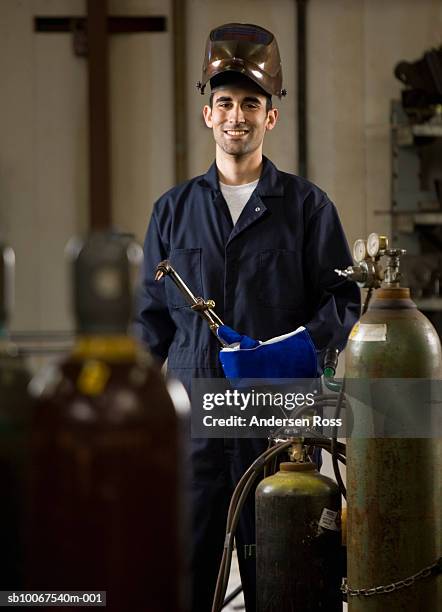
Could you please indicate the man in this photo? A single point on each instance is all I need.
(264, 245)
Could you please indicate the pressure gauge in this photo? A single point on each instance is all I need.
(359, 250)
(376, 243)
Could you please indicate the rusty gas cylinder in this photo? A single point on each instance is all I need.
(393, 481)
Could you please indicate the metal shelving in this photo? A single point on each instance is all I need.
(416, 205)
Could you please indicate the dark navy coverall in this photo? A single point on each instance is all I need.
(270, 273)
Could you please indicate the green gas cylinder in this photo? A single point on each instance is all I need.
(393, 482)
(298, 541)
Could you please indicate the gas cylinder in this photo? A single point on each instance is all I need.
(14, 424)
(298, 541)
(105, 480)
(393, 483)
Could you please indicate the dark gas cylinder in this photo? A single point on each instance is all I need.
(14, 422)
(105, 457)
(393, 483)
(14, 429)
(298, 541)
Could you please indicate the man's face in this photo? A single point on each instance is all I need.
(239, 119)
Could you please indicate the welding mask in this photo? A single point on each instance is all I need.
(247, 49)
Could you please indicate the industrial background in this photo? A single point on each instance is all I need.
(125, 105)
(352, 47)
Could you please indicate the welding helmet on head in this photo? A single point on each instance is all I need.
(246, 49)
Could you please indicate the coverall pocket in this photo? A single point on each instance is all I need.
(187, 262)
(281, 282)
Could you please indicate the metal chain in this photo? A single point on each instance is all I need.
(430, 570)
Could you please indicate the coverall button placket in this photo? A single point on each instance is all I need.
(232, 271)
(253, 211)
(219, 202)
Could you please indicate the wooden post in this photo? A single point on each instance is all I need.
(100, 205)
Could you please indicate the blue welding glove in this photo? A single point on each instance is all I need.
(292, 355)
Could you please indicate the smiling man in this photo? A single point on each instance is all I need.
(239, 114)
(264, 245)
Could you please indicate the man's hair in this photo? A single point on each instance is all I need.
(269, 104)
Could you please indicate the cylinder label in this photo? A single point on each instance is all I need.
(369, 332)
(328, 520)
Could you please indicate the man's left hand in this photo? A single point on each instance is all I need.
(292, 355)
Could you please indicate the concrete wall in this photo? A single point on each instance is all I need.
(43, 167)
(142, 116)
(44, 144)
(353, 46)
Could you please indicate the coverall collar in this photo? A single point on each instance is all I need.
(270, 182)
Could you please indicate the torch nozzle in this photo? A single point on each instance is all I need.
(163, 269)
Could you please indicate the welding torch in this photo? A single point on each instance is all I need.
(205, 308)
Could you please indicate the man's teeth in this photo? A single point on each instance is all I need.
(236, 132)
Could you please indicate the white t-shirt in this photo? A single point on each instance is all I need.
(237, 197)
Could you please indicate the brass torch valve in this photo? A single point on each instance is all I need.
(205, 308)
(368, 271)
